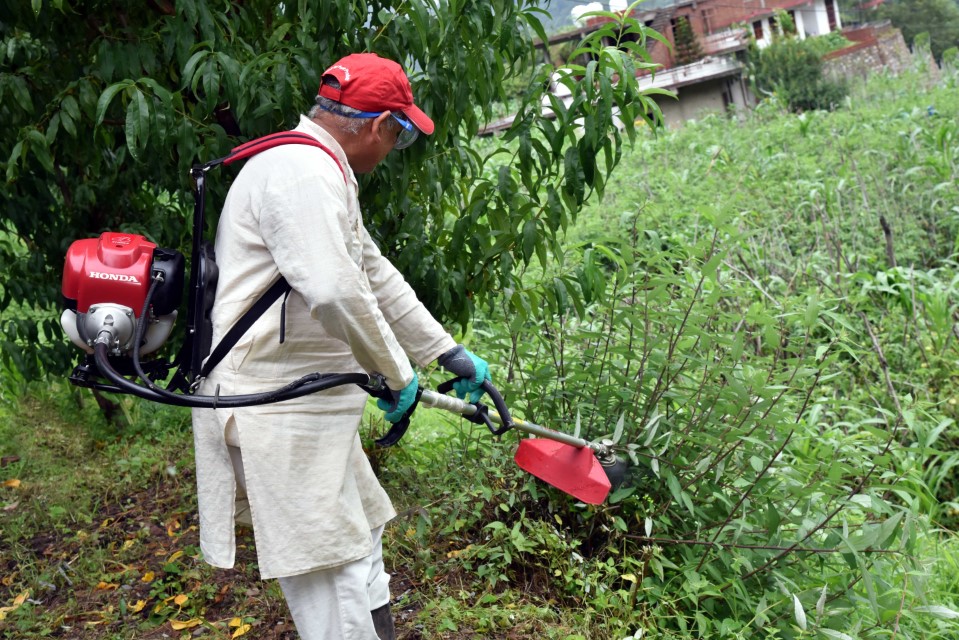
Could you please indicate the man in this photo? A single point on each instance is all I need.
(296, 470)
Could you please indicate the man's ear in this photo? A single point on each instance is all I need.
(379, 126)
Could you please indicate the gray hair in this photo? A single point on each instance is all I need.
(343, 116)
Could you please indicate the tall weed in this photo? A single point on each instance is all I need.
(768, 332)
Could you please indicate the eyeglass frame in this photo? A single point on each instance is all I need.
(408, 128)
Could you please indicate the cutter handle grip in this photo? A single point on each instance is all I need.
(498, 403)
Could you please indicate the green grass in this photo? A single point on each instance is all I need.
(99, 530)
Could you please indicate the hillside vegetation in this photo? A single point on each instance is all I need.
(761, 312)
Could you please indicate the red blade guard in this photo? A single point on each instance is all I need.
(570, 469)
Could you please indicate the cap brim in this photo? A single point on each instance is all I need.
(419, 119)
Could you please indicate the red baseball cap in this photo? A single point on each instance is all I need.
(371, 83)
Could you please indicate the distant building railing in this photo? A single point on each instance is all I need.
(700, 71)
(725, 41)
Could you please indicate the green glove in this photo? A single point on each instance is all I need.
(402, 400)
(471, 370)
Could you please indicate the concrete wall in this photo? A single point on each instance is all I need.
(695, 101)
(878, 47)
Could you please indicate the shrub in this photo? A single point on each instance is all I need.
(792, 69)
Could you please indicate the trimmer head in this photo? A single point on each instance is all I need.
(572, 470)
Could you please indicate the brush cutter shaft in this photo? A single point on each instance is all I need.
(572, 465)
(436, 400)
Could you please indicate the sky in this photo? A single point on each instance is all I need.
(559, 12)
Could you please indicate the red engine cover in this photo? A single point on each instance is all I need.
(112, 268)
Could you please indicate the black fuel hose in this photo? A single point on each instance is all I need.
(140, 333)
(304, 386)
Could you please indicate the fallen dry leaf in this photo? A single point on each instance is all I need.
(241, 630)
(179, 625)
(19, 600)
(180, 600)
(12, 483)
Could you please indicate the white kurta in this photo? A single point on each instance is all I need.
(313, 496)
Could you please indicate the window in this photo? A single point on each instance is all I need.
(707, 15)
(831, 14)
(758, 29)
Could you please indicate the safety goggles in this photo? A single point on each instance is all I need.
(408, 132)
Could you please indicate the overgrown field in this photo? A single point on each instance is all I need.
(761, 312)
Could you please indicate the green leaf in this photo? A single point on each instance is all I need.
(107, 97)
(672, 483)
(535, 24)
(189, 73)
(621, 494)
(618, 430)
(278, 35)
(70, 105)
(54, 126)
(799, 613)
(709, 269)
(137, 127)
(21, 93)
(812, 311)
(13, 162)
(938, 611)
(40, 149)
(574, 177)
(160, 92)
(838, 635)
(530, 235)
(888, 528)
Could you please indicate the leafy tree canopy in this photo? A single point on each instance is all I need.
(938, 18)
(106, 106)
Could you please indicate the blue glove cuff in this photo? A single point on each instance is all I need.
(402, 401)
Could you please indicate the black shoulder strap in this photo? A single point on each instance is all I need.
(281, 287)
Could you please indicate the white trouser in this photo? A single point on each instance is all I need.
(335, 603)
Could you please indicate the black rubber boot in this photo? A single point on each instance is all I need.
(383, 623)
